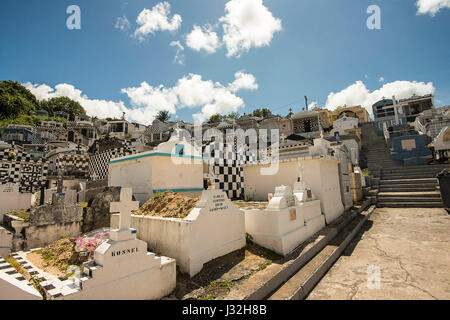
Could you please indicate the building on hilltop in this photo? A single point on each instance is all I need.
(19, 134)
(352, 112)
(391, 112)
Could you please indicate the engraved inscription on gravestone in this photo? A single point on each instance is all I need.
(219, 203)
(290, 201)
(293, 214)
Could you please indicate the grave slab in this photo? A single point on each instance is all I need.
(122, 268)
(281, 227)
(214, 228)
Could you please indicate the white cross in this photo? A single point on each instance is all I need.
(124, 207)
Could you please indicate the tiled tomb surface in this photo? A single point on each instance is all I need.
(121, 269)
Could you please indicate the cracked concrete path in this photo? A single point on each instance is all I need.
(400, 253)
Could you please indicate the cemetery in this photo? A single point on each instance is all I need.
(182, 221)
(159, 215)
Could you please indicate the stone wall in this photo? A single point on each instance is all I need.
(97, 215)
(40, 236)
(5, 242)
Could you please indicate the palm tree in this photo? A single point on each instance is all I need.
(163, 116)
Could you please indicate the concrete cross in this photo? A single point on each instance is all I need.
(124, 207)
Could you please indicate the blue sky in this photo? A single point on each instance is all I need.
(310, 47)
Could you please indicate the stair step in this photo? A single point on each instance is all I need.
(304, 280)
(411, 171)
(406, 176)
(409, 185)
(411, 204)
(430, 194)
(402, 200)
(406, 190)
(406, 181)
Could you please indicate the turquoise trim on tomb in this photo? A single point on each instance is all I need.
(157, 154)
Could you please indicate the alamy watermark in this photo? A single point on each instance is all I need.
(73, 22)
(250, 144)
(374, 20)
(373, 277)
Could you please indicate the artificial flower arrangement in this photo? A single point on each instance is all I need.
(87, 244)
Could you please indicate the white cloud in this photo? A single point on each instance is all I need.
(203, 39)
(431, 7)
(191, 91)
(381, 79)
(123, 24)
(313, 105)
(93, 107)
(156, 19)
(358, 94)
(179, 57)
(247, 24)
(213, 97)
(243, 81)
(148, 101)
(177, 44)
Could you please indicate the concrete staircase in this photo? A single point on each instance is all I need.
(414, 187)
(400, 186)
(374, 148)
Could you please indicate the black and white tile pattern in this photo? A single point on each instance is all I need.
(21, 168)
(98, 163)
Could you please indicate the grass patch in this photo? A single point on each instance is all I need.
(265, 264)
(22, 214)
(216, 288)
(62, 255)
(35, 281)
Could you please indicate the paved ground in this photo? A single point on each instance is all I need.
(408, 250)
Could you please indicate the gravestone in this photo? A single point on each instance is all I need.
(280, 227)
(122, 268)
(322, 176)
(301, 191)
(12, 199)
(82, 192)
(214, 228)
(314, 219)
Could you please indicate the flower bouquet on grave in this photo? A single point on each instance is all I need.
(87, 244)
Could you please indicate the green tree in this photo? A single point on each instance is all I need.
(215, 118)
(163, 116)
(16, 100)
(266, 112)
(65, 104)
(262, 113)
(233, 115)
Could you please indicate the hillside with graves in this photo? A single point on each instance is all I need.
(240, 207)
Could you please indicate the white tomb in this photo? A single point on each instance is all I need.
(363, 180)
(281, 227)
(12, 199)
(342, 154)
(442, 141)
(122, 268)
(214, 228)
(175, 165)
(310, 207)
(344, 123)
(322, 175)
